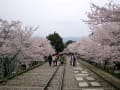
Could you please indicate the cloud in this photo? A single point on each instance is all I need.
(63, 16)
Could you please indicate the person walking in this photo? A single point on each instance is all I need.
(74, 61)
(62, 59)
(54, 59)
(50, 60)
(71, 60)
(57, 57)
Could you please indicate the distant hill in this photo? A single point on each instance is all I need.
(65, 39)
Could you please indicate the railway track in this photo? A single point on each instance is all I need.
(56, 80)
(64, 77)
(41, 78)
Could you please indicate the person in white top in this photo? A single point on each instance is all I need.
(54, 60)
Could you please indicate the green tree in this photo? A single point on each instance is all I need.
(69, 42)
(56, 41)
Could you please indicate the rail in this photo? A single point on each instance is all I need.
(52, 77)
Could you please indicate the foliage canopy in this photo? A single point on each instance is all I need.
(56, 41)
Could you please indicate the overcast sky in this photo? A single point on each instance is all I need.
(62, 16)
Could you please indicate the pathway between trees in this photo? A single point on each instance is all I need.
(76, 78)
(87, 80)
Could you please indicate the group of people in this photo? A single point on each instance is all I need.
(53, 59)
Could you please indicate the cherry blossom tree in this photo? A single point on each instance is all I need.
(104, 14)
(106, 29)
(103, 44)
(18, 46)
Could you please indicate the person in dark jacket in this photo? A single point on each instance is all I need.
(50, 60)
(74, 61)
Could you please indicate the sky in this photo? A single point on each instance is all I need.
(61, 16)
